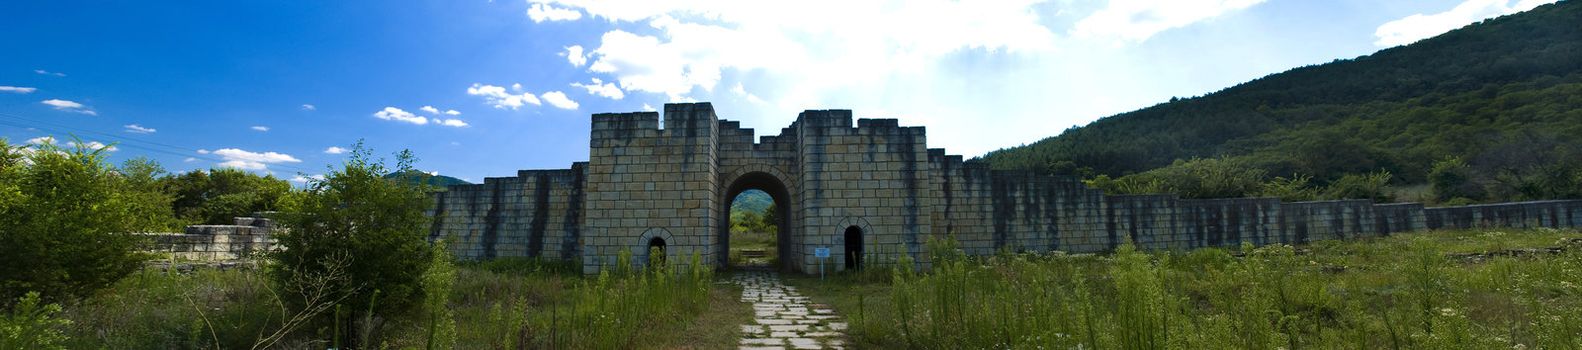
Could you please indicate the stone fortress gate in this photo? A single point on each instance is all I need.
(868, 191)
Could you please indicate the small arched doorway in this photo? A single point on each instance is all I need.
(853, 238)
(656, 251)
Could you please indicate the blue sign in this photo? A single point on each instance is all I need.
(821, 252)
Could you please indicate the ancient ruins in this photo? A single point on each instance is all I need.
(867, 191)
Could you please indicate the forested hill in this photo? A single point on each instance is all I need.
(422, 178)
(1509, 83)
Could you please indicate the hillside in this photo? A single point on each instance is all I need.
(418, 177)
(1504, 88)
(754, 201)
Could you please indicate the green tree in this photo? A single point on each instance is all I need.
(31, 325)
(67, 220)
(771, 219)
(1194, 178)
(145, 179)
(745, 221)
(1451, 178)
(217, 196)
(1360, 186)
(372, 228)
(1293, 189)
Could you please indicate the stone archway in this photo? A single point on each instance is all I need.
(770, 181)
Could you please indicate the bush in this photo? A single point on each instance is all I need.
(1360, 186)
(372, 228)
(438, 282)
(218, 195)
(32, 326)
(1294, 189)
(66, 219)
(1451, 178)
(1195, 178)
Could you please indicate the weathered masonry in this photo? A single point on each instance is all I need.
(871, 190)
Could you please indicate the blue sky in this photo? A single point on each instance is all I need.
(481, 89)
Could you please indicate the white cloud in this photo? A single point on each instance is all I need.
(309, 107)
(817, 50)
(499, 98)
(601, 88)
(540, 12)
(243, 165)
(1416, 27)
(189, 160)
(943, 64)
(1137, 20)
(335, 150)
(259, 128)
(739, 90)
(138, 129)
(436, 111)
(92, 145)
(247, 160)
(95, 145)
(649, 108)
(575, 55)
(203, 151)
(69, 106)
(17, 89)
(396, 114)
(45, 72)
(304, 179)
(559, 100)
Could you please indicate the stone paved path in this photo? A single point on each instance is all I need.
(784, 319)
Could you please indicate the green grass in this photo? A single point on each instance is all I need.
(500, 304)
(764, 241)
(1404, 291)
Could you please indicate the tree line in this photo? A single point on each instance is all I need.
(1497, 100)
(353, 242)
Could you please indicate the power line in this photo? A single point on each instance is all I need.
(145, 145)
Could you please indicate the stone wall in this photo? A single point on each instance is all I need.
(644, 183)
(1567, 213)
(249, 236)
(538, 213)
(874, 177)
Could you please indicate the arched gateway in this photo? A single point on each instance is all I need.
(680, 179)
(864, 193)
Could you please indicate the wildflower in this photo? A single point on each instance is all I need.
(1447, 312)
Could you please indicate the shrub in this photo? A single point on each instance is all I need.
(1360, 186)
(32, 326)
(371, 225)
(1294, 189)
(1451, 178)
(66, 219)
(218, 195)
(1194, 178)
(437, 284)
